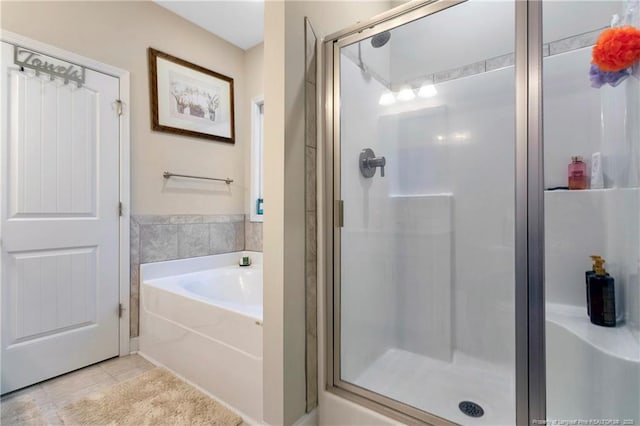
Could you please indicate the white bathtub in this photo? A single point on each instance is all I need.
(202, 319)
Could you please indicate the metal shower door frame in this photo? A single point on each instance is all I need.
(529, 209)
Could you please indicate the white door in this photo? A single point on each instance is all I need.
(59, 182)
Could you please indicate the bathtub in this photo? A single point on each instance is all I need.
(592, 372)
(202, 319)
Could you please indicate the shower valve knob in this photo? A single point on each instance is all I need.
(369, 162)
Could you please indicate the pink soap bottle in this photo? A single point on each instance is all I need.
(577, 173)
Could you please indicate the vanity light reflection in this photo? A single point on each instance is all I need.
(455, 138)
(427, 90)
(386, 99)
(406, 93)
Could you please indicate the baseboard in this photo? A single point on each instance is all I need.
(309, 419)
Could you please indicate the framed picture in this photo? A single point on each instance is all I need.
(189, 100)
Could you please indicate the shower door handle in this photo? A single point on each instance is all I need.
(369, 162)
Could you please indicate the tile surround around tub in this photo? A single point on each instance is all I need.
(252, 235)
(155, 238)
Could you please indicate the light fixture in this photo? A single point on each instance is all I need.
(386, 99)
(427, 90)
(406, 94)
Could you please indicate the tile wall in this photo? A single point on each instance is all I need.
(311, 217)
(155, 238)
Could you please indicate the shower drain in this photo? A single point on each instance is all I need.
(471, 409)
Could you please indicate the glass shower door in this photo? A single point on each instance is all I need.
(424, 290)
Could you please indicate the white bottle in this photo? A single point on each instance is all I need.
(597, 176)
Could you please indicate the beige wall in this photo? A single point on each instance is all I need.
(273, 230)
(284, 272)
(119, 33)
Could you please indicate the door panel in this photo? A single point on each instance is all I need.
(52, 167)
(59, 181)
(52, 290)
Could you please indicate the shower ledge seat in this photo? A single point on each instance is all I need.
(618, 341)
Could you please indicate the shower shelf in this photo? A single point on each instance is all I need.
(619, 341)
(591, 191)
(583, 191)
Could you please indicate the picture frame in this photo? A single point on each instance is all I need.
(190, 100)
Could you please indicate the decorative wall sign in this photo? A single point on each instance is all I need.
(53, 67)
(187, 99)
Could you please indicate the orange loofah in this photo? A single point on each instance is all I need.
(617, 48)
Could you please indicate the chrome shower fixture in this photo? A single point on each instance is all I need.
(381, 39)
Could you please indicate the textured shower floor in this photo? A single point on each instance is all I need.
(438, 387)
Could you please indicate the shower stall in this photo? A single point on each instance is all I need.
(456, 254)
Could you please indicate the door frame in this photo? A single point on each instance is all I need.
(529, 318)
(123, 77)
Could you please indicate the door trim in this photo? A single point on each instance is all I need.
(125, 170)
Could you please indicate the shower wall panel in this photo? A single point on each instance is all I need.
(458, 143)
(368, 299)
(582, 120)
(422, 273)
(440, 146)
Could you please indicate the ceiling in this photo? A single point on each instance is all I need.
(240, 22)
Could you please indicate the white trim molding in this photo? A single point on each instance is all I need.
(257, 136)
(125, 173)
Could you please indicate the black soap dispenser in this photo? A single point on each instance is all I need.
(602, 296)
(587, 275)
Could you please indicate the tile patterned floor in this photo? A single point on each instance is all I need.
(54, 394)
